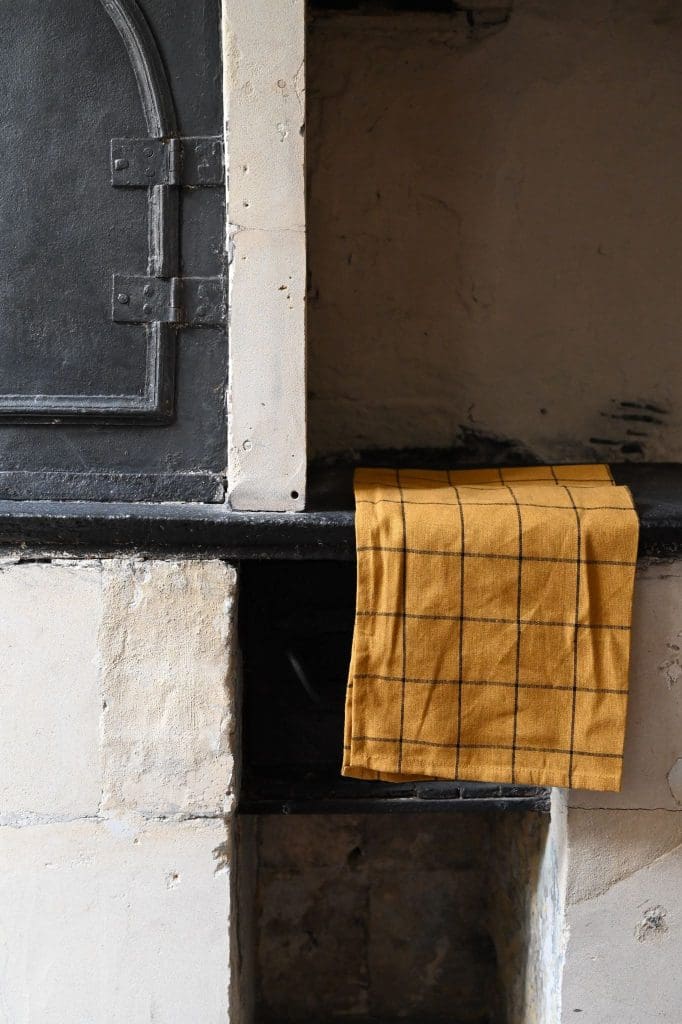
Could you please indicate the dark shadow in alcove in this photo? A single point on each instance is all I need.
(363, 901)
(471, 239)
(376, 919)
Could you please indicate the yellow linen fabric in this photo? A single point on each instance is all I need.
(492, 630)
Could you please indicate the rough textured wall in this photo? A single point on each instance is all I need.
(545, 954)
(624, 896)
(494, 241)
(526, 911)
(423, 917)
(116, 729)
(374, 918)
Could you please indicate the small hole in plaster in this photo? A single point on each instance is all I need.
(354, 857)
(294, 495)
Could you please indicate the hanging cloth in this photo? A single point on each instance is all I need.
(492, 629)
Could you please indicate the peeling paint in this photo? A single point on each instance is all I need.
(672, 667)
(653, 924)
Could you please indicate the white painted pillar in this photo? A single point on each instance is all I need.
(264, 60)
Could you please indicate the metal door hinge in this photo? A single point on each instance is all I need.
(182, 301)
(191, 163)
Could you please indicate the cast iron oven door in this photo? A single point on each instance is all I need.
(112, 296)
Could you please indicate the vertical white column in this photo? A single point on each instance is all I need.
(264, 62)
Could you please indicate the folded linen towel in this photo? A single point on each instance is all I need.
(492, 630)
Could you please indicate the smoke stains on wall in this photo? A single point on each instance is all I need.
(494, 239)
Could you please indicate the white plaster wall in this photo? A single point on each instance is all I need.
(264, 51)
(624, 917)
(116, 704)
(50, 703)
(624, 855)
(101, 922)
(493, 230)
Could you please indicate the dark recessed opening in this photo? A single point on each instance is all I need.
(375, 919)
(296, 625)
(374, 6)
(359, 919)
(356, 904)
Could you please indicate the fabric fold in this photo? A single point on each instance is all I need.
(492, 628)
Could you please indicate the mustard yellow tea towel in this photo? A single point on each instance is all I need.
(492, 629)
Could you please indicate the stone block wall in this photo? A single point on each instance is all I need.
(384, 916)
(116, 726)
(116, 797)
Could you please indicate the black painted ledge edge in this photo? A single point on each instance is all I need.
(202, 529)
(383, 805)
(98, 527)
(286, 790)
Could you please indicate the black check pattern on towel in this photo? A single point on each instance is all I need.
(492, 626)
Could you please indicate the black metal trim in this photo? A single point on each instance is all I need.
(386, 805)
(194, 162)
(99, 526)
(23, 490)
(316, 535)
(191, 301)
(284, 790)
(155, 92)
(156, 403)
